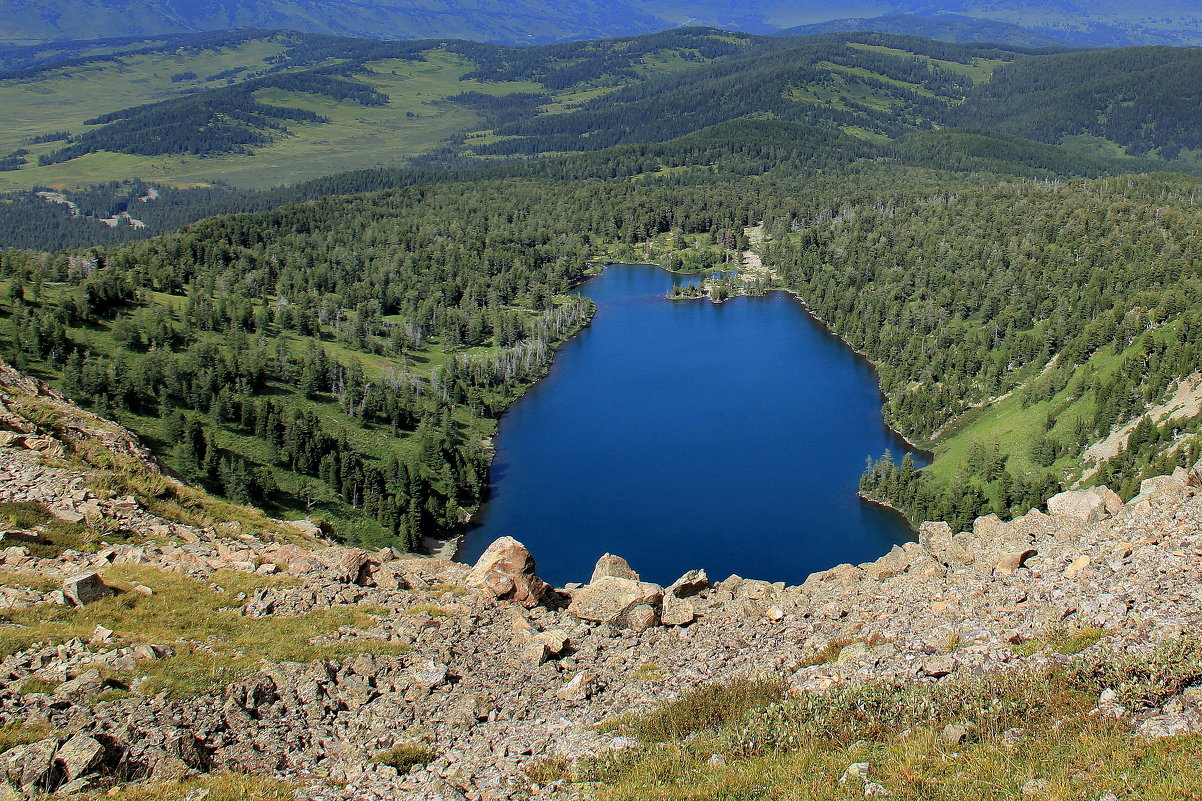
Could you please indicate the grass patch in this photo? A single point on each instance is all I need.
(220, 787)
(22, 733)
(649, 671)
(61, 536)
(32, 581)
(405, 756)
(829, 653)
(1061, 641)
(1023, 726)
(549, 769)
(214, 644)
(705, 708)
(433, 610)
(33, 686)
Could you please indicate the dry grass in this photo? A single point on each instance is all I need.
(220, 787)
(705, 708)
(1062, 641)
(829, 654)
(214, 644)
(1025, 726)
(433, 610)
(405, 756)
(60, 535)
(15, 734)
(30, 581)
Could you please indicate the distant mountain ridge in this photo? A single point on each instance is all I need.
(940, 27)
(1082, 22)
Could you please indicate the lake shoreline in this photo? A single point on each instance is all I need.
(520, 474)
(829, 330)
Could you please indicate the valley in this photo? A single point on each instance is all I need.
(310, 344)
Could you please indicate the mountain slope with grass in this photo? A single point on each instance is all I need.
(159, 643)
(256, 110)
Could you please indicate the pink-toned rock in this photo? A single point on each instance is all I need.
(610, 565)
(1096, 503)
(506, 572)
(1010, 562)
(621, 602)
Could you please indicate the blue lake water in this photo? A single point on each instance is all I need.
(684, 434)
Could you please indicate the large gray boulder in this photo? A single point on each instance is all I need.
(624, 603)
(1090, 505)
(505, 571)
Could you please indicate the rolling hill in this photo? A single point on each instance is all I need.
(261, 109)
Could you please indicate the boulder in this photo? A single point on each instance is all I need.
(677, 611)
(939, 666)
(33, 766)
(690, 584)
(937, 539)
(617, 601)
(642, 617)
(616, 566)
(506, 572)
(84, 588)
(83, 687)
(1161, 484)
(894, 563)
(1090, 505)
(78, 756)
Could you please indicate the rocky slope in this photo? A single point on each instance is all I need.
(486, 672)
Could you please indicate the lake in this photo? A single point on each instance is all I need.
(687, 434)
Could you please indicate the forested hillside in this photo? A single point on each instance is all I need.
(257, 110)
(349, 356)
(345, 359)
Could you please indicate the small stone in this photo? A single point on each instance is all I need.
(580, 688)
(716, 761)
(954, 733)
(101, 635)
(939, 666)
(856, 770)
(1078, 564)
(1010, 562)
(1035, 787)
(874, 790)
(428, 674)
(775, 614)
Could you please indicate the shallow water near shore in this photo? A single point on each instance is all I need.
(687, 434)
